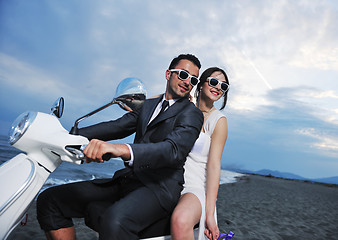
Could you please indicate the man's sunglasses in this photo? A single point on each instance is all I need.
(213, 82)
(183, 75)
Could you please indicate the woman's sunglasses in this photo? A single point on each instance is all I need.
(183, 75)
(213, 82)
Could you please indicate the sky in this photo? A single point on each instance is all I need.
(281, 58)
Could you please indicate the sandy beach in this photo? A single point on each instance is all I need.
(255, 207)
(258, 207)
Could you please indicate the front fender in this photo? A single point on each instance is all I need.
(21, 180)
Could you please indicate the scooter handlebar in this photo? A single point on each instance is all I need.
(105, 157)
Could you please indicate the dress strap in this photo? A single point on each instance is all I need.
(211, 122)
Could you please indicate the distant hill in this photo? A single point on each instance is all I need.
(280, 174)
(330, 180)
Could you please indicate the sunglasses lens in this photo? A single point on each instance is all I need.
(183, 75)
(224, 87)
(193, 81)
(213, 82)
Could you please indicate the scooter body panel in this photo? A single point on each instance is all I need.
(21, 178)
(45, 140)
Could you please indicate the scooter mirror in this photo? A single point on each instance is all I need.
(58, 106)
(130, 94)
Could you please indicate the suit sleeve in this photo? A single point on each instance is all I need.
(111, 130)
(171, 152)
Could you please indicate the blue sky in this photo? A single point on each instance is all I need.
(281, 58)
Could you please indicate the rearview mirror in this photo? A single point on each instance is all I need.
(58, 106)
(130, 95)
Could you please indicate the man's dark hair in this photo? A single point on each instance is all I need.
(189, 57)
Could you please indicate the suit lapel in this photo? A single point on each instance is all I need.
(148, 112)
(178, 106)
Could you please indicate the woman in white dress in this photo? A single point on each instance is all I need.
(202, 168)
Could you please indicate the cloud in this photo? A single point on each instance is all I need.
(300, 34)
(289, 133)
(283, 94)
(326, 94)
(24, 76)
(296, 110)
(28, 79)
(325, 142)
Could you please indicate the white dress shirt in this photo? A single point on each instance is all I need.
(155, 113)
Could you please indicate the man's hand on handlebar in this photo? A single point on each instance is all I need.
(100, 151)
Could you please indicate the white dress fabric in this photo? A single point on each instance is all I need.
(195, 166)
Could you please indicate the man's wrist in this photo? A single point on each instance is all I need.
(129, 160)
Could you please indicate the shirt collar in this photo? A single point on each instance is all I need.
(171, 101)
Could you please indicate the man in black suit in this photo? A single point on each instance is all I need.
(149, 187)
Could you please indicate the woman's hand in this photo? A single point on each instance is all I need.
(211, 228)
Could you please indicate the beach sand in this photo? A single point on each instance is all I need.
(255, 207)
(258, 207)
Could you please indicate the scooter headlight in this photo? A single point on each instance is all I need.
(20, 126)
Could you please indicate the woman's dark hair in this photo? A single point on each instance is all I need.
(189, 57)
(207, 73)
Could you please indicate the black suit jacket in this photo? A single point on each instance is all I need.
(160, 148)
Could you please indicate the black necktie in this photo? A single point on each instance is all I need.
(165, 104)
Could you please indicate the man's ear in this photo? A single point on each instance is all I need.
(167, 74)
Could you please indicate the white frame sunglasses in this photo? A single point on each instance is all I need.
(213, 82)
(180, 71)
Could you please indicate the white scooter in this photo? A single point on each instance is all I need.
(47, 144)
